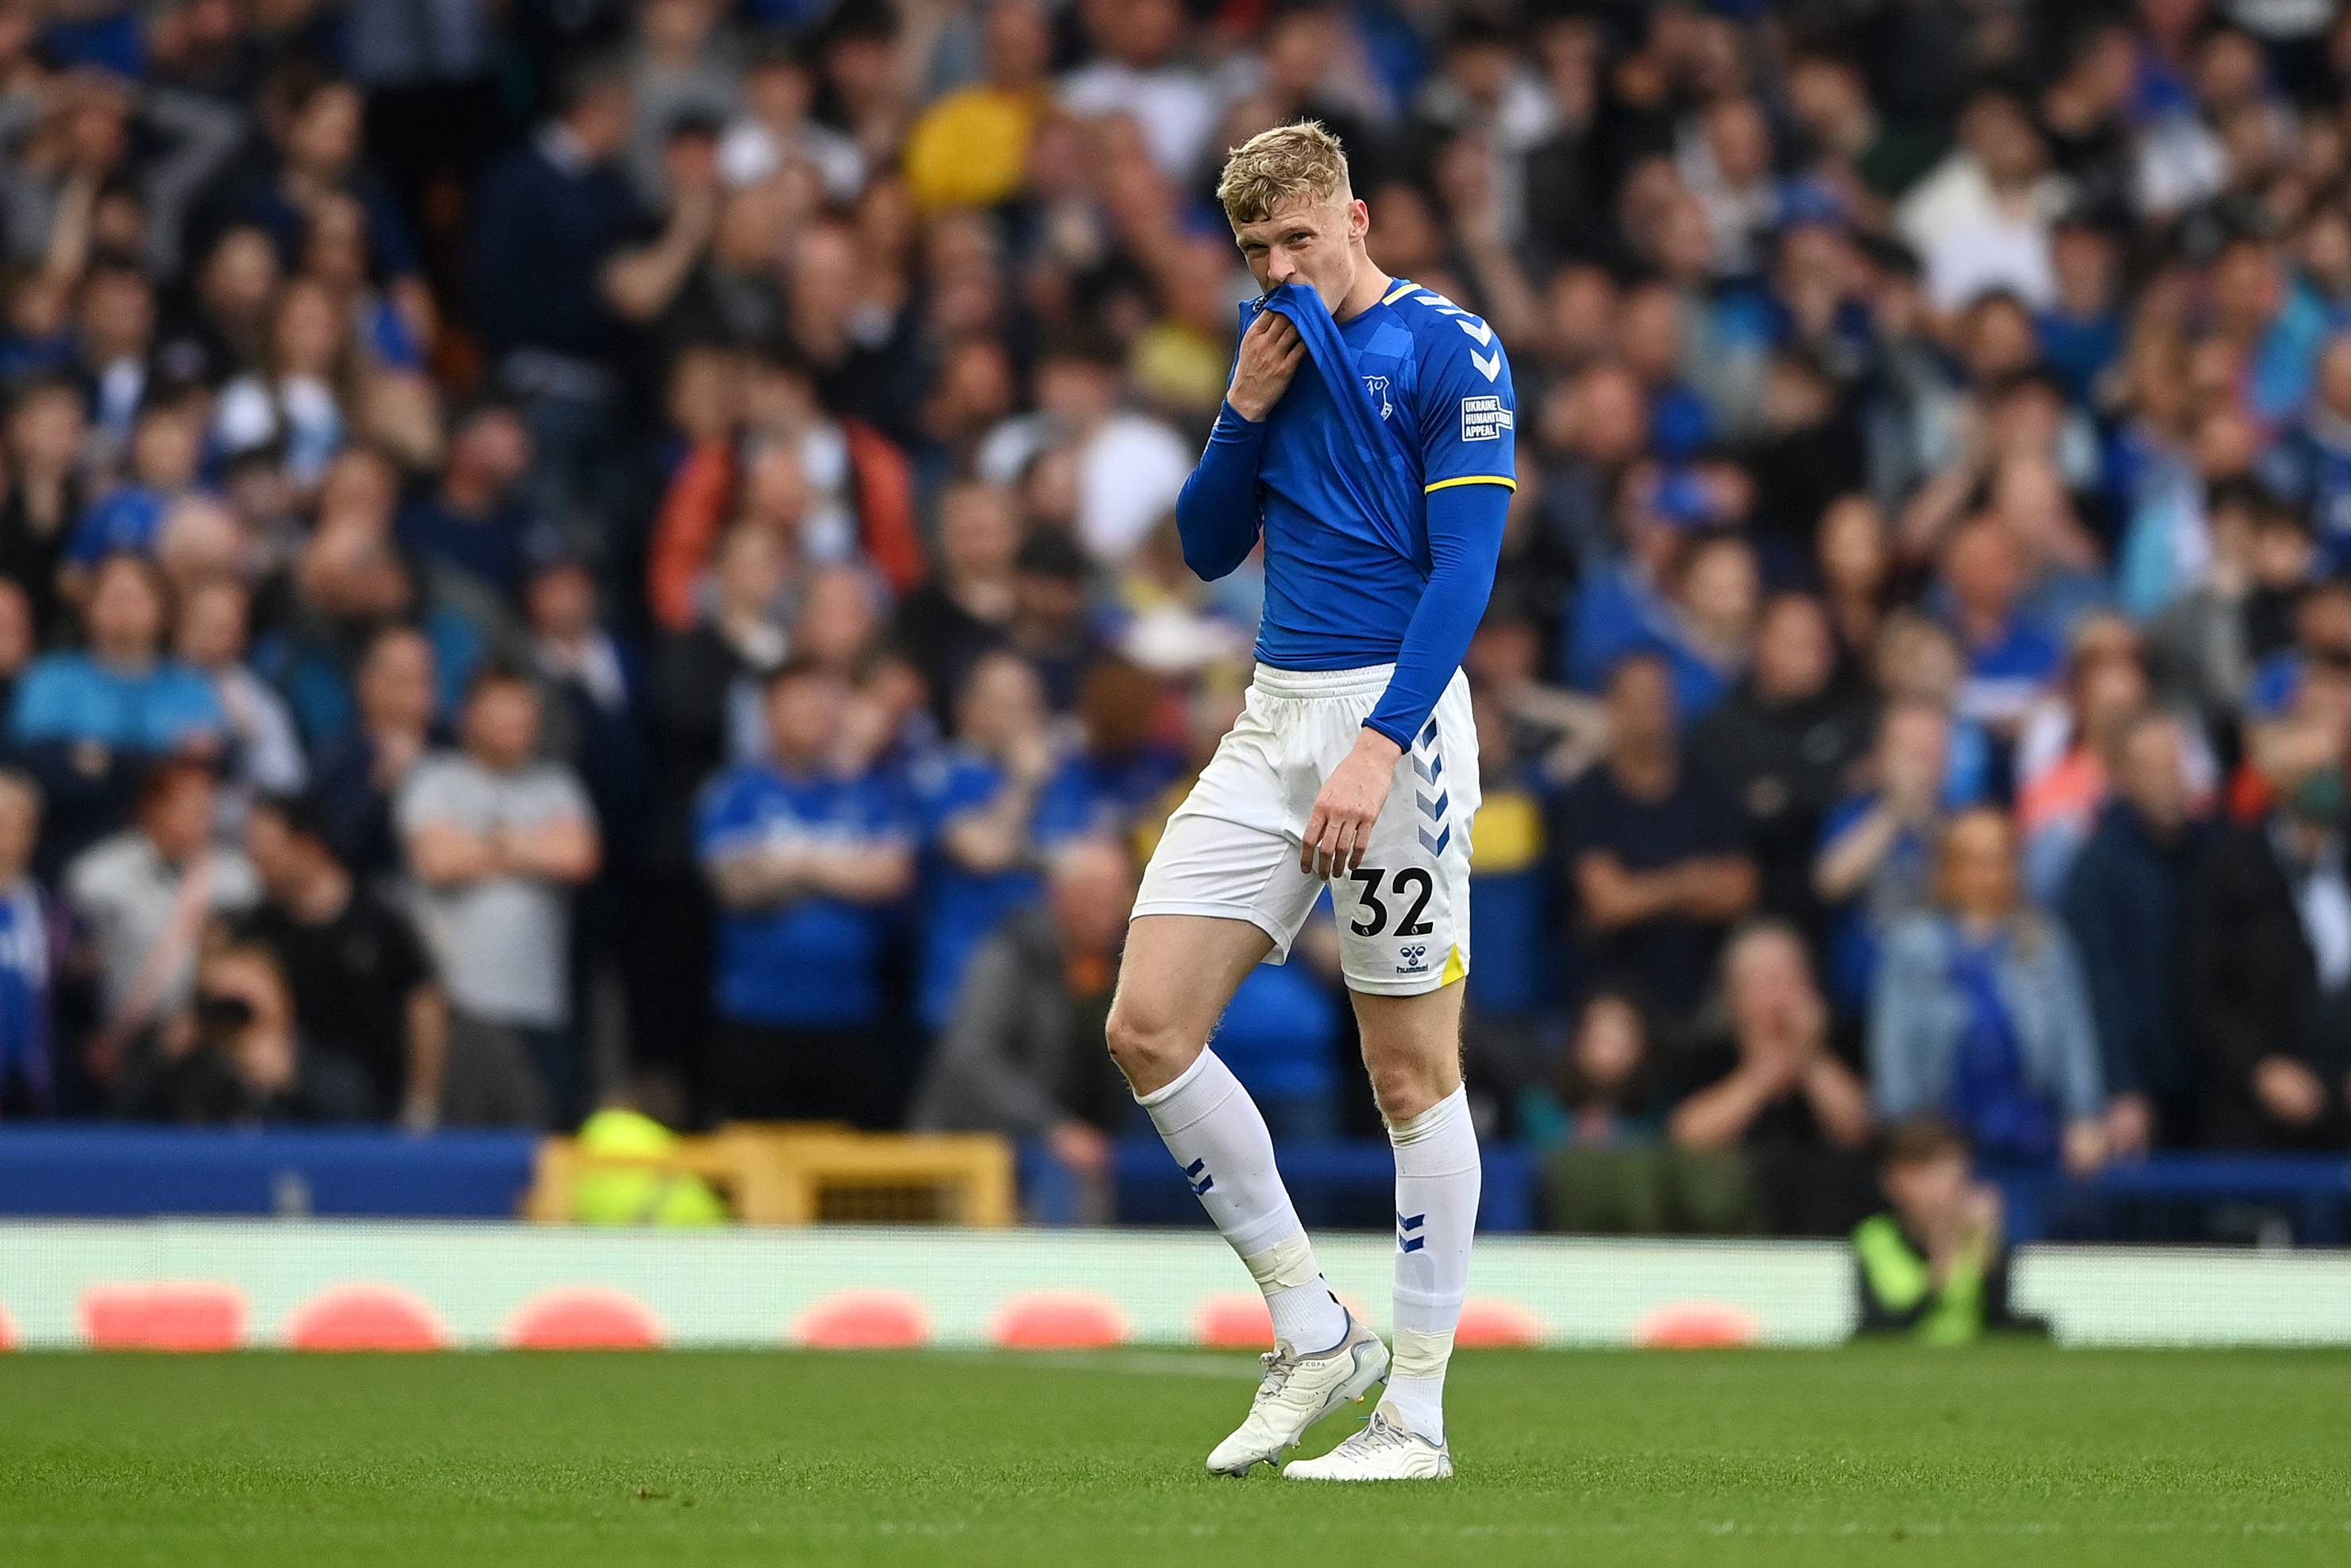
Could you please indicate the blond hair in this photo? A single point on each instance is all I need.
(1274, 166)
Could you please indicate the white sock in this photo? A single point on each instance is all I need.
(1213, 1128)
(1437, 1178)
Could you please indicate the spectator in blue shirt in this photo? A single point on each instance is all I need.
(2082, 331)
(1979, 1010)
(806, 862)
(120, 699)
(2010, 659)
(167, 444)
(1103, 790)
(978, 801)
(550, 215)
(88, 720)
(1685, 589)
(2311, 464)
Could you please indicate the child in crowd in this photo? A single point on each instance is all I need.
(1934, 1265)
(1608, 1168)
(1604, 1092)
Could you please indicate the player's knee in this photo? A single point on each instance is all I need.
(1403, 1088)
(1148, 1051)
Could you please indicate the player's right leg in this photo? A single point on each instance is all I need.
(1177, 974)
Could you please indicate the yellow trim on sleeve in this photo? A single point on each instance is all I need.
(1470, 480)
(1401, 290)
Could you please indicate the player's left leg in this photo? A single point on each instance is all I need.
(1404, 925)
(1412, 1047)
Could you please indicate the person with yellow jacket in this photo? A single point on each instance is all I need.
(1935, 1266)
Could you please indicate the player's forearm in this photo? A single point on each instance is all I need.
(1216, 512)
(1464, 541)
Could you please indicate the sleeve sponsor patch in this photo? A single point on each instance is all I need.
(1485, 419)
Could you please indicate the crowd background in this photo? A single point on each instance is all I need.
(562, 554)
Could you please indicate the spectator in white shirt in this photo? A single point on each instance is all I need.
(143, 896)
(774, 128)
(1130, 467)
(1136, 75)
(499, 839)
(1982, 219)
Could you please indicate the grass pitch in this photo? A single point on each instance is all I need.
(2010, 1454)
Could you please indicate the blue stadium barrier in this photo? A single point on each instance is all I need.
(113, 1173)
(2170, 1198)
(117, 1172)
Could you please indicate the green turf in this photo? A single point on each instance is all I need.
(2013, 1455)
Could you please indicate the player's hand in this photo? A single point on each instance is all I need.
(1352, 799)
(1270, 351)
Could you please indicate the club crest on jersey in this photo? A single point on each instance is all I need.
(1485, 419)
(1378, 387)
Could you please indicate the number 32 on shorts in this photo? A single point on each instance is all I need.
(1411, 882)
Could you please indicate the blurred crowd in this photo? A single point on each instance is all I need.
(562, 554)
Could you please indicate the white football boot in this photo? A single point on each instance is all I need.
(1384, 1450)
(1297, 1391)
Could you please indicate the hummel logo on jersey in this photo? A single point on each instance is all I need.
(1485, 419)
(1378, 387)
(1416, 959)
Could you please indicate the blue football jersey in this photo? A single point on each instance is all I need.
(1339, 590)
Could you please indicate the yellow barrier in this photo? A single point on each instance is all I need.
(803, 1173)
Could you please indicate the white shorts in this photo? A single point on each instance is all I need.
(1231, 848)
